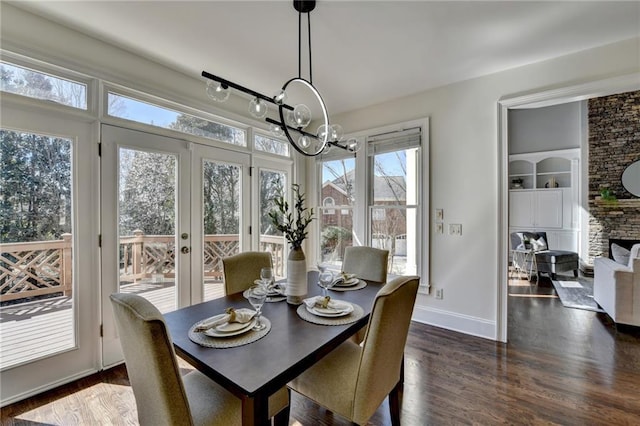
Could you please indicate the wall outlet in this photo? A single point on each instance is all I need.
(439, 293)
(455, 229)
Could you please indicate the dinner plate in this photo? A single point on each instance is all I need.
(348, 283)
(330, 312)
(229, 329)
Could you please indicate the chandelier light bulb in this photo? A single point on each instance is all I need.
(258, 108)
(216, 92)
(354, 144)
(322, 133)
(276, 130)
(336, 133)
(302, 116)
(289, 119)
(304, 141)
(280, 98)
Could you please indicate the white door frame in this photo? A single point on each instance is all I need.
(34, 377)
(620, 84)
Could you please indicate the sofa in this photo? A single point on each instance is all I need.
(616, 287)
(547, 260)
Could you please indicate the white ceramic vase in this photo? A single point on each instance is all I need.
(296, 289)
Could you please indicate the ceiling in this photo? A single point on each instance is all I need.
(364, 52)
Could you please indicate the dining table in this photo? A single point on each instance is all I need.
(256, 370)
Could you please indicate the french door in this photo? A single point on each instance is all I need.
(48, 252)
(171, 209)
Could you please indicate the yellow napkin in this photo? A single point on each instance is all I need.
(242, 315)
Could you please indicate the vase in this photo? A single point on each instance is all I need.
(296, 289)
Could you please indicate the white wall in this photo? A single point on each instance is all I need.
(545, 129)
(464, 177)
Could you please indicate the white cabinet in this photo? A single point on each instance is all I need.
(544, 196)
(536, 208)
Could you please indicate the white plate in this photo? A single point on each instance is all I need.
(348, 283)
(329, 312)
(218, 330)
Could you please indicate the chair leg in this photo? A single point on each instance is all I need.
(575, 273)
(402, 370)
(394, 404)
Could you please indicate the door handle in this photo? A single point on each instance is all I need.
(185, 250)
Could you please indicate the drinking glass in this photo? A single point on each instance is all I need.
(256, 295)
(266, 276)
(325, 280)
(322, 266)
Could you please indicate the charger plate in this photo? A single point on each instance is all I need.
(354, 316)
(231, 341)
(361, 284)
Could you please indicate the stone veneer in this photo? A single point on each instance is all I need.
(614, 143)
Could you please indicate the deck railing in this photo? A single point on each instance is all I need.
(45, 267)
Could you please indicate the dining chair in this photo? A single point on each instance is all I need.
(242, 269)
(368, 263)
(163, 396)
(353, 380)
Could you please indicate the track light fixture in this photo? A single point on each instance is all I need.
(293, 120)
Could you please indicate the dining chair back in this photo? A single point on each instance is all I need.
(242, 269)
(163, 396)
(354, 380)
(368, 263)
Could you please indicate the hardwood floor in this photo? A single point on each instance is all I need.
(561, 366)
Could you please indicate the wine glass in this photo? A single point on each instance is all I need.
(322, 266)
(325, 280)
(266, 277)
(256, 295)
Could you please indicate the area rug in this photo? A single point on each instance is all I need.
(576, 293)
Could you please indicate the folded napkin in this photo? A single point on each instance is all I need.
(343, 277)
(242, 315)
(325, 302)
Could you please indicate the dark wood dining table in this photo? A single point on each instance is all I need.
(255, 371)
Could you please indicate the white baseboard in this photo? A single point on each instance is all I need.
(456, 322)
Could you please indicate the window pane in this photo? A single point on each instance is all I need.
(273, 146)
(272, 184)
(394, 229)
(395, 178)
(336, 224)
(38, 85)
(36, 249)
(221, 227)
(144, 112)
(147, 222)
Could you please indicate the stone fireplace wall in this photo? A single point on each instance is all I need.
(614, 143)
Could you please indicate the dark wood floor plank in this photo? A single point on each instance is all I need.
(561, 366)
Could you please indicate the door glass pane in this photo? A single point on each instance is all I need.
(36, 247)
(336, 209)
(272, 184)
(221, 221)
(147, 224)
(394, 211)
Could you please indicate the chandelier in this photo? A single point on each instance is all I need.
(294, 120)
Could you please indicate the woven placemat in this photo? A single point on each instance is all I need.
(231, 341)
(361, 284)
(354, 316)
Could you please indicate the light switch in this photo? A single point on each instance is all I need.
(455, 229)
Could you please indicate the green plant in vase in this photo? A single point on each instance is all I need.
(293, 222)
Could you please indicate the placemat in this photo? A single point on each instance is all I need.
(231, 341)
(361, 284)
(354, 316)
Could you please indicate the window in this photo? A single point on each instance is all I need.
(154, 115)
(337, 192)
(270, 145)
(393, 179)
(39, 85)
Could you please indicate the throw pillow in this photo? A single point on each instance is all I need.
(620, 254)
(539, 244)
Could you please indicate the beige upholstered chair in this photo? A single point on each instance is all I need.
(354, 380)
(368, 263)
(242, 269)
(162, 396)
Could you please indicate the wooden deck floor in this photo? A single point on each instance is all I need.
(34, 330)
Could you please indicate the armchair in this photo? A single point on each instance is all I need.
(616, 287)
(546, 259)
